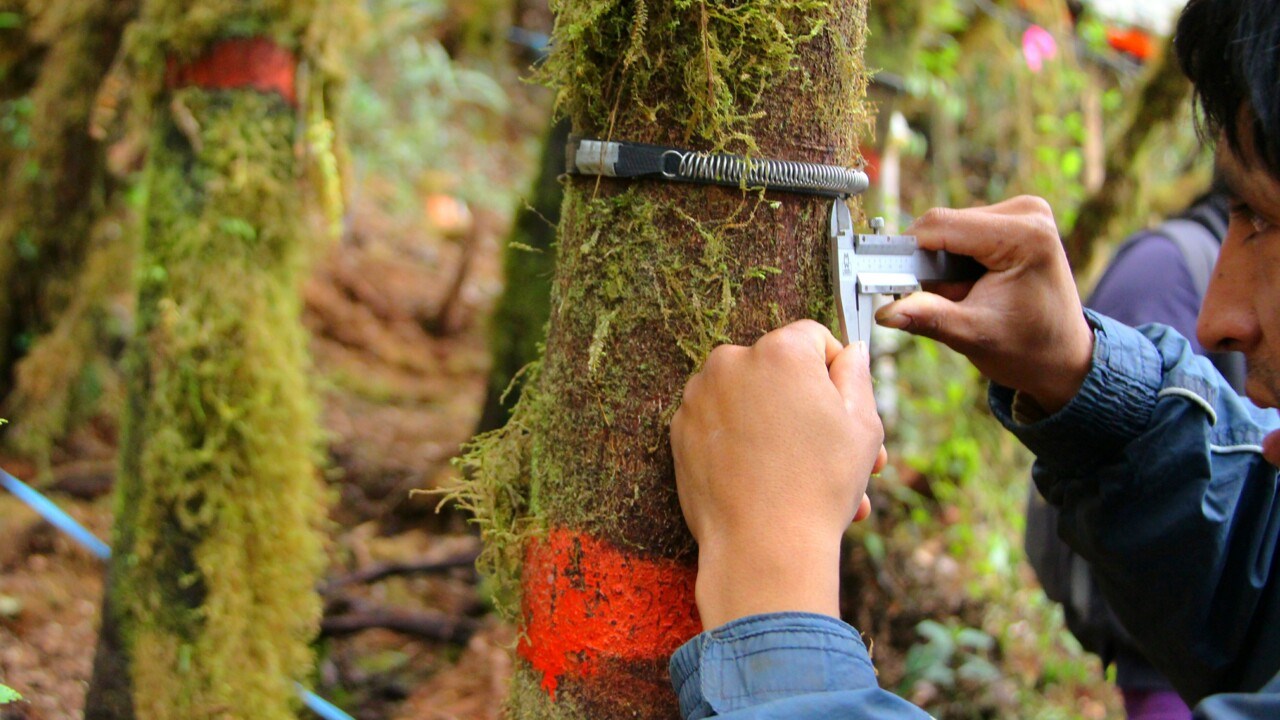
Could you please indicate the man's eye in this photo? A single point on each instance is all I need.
(1244, 213)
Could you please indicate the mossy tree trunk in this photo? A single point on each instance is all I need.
(577, 488)
(211, 603)
(519, 321)
(1162, 100)
(54, 181)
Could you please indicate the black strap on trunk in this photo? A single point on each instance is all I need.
(611, 158)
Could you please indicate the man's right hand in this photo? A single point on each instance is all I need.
(1021, 324)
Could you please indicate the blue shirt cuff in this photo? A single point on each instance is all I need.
(760, 658)
(1112, 407)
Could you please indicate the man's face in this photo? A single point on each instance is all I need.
(1241, 309)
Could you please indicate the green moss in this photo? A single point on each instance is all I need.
(220, 505)
(651, 276)
(495, 490)
(55, 221)
(528, 701)
(522, 474)
(695, 69)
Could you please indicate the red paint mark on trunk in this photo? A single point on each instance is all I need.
(238, 63)
(586, 601)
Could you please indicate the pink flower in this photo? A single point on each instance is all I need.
(1038, 46)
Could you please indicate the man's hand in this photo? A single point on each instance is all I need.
(773, 446)
(1021, 324)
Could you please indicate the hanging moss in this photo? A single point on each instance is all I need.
(219, 504)
(220, 500)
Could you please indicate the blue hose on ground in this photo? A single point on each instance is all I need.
(55, 515)
(67, 524)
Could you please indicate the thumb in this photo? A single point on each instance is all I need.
(1271, 448)
(851, 374)
(928, 315)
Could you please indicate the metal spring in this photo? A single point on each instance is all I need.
(769, 174)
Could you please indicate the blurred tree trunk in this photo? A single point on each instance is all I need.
(53, 179)
(519, 321)
(211, 601)
(1161, 100)
(650, 276)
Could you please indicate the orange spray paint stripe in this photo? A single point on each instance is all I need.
(586, 601)
(238, 63)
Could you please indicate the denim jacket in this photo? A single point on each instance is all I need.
(1157, 468)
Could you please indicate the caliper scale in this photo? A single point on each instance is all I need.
(866, 265)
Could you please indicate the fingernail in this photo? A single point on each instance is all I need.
(860, 349)
(896, 321)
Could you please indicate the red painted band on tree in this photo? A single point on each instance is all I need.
(239, 63)
(586, 602)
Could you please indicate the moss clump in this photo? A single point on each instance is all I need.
(495, 490)
(697, 70)
(220, 505)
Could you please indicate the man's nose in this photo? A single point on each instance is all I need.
(1227, 318)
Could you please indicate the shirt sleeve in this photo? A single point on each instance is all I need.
(1156, 466)
(782, 665)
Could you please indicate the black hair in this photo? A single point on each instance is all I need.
(1230, 49)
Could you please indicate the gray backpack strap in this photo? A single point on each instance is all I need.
(1199, 246)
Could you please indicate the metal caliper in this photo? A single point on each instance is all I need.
(866, 265)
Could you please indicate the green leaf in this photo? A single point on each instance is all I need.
(9, 21)
(8, 695)
(1072, 163)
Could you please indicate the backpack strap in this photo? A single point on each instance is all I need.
(1199, 238)
(1199, 248)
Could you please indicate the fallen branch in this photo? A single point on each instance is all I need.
(429, 626)
(463, 559)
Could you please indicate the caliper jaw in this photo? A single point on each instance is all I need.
(863, 266)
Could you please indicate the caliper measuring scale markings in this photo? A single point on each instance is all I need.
(866, 265)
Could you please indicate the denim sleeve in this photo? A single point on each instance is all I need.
(1156, 466)
(782, 665)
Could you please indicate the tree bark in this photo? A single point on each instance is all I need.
(650, 276)
(211, 602)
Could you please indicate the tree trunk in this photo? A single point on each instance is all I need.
(519, 321)
(54, 184)
(1161, 100)
(650, 276)
(211, 603)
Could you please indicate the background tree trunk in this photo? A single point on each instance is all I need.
(1161, 100)
(211, 602)
(519, 320)
(650, 276)
(54, 183)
